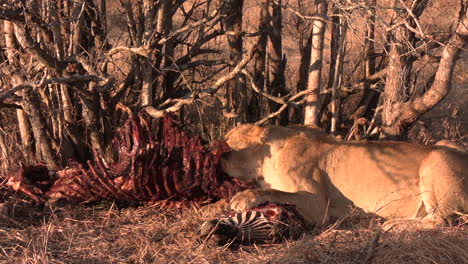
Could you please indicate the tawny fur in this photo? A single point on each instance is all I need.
(324, 177)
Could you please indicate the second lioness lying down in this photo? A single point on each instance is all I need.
(324, 177)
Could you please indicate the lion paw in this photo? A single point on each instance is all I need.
(214, 209)
(246, 200)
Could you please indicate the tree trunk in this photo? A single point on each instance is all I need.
(31, 105)
(255, 106)
(370, 97)
(55, 25)
(91, 116)
(400, 114)
(369, 46)
(103, 19)
(297, 114)
(276, 62)
(25, 134)
(91, 108)
(337, 79)
(23, 123)
(312, 106)
(235, 93)
(77, 30)
(70, 130)
(334, 48)
(69, 134)
(164, 27)
(147, 89)
(398, 76)
(4, 157)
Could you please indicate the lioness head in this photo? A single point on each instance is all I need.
(245, 136)
(244, 164)
(247, 142)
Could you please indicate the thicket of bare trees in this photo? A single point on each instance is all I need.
(63, 74)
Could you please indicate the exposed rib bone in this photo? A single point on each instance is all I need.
(176, 167)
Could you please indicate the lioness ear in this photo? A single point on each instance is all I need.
(257, 133)
(245, 135)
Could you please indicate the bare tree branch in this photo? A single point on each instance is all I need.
(36, 84)
(284, 106)
(190, 97)
(146, 49)
(301, 15)
(254, 87)
(191, 26)
(232, 74)
(24, 38)
(442, 81)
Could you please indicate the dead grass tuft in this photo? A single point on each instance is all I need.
(447, 121)
(441, 245)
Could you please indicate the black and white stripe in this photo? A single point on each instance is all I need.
(247, 227)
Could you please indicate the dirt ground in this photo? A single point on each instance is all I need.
(104, 233)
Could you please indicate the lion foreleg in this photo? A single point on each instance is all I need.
(411, 223)
(309, 205)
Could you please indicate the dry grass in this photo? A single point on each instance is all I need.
(444, 245)
(447, 121)
(105, 234)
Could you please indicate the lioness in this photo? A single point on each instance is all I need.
(323, 176)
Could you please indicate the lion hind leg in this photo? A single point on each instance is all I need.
(444, 184)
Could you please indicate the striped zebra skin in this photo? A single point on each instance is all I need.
(244, 228)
